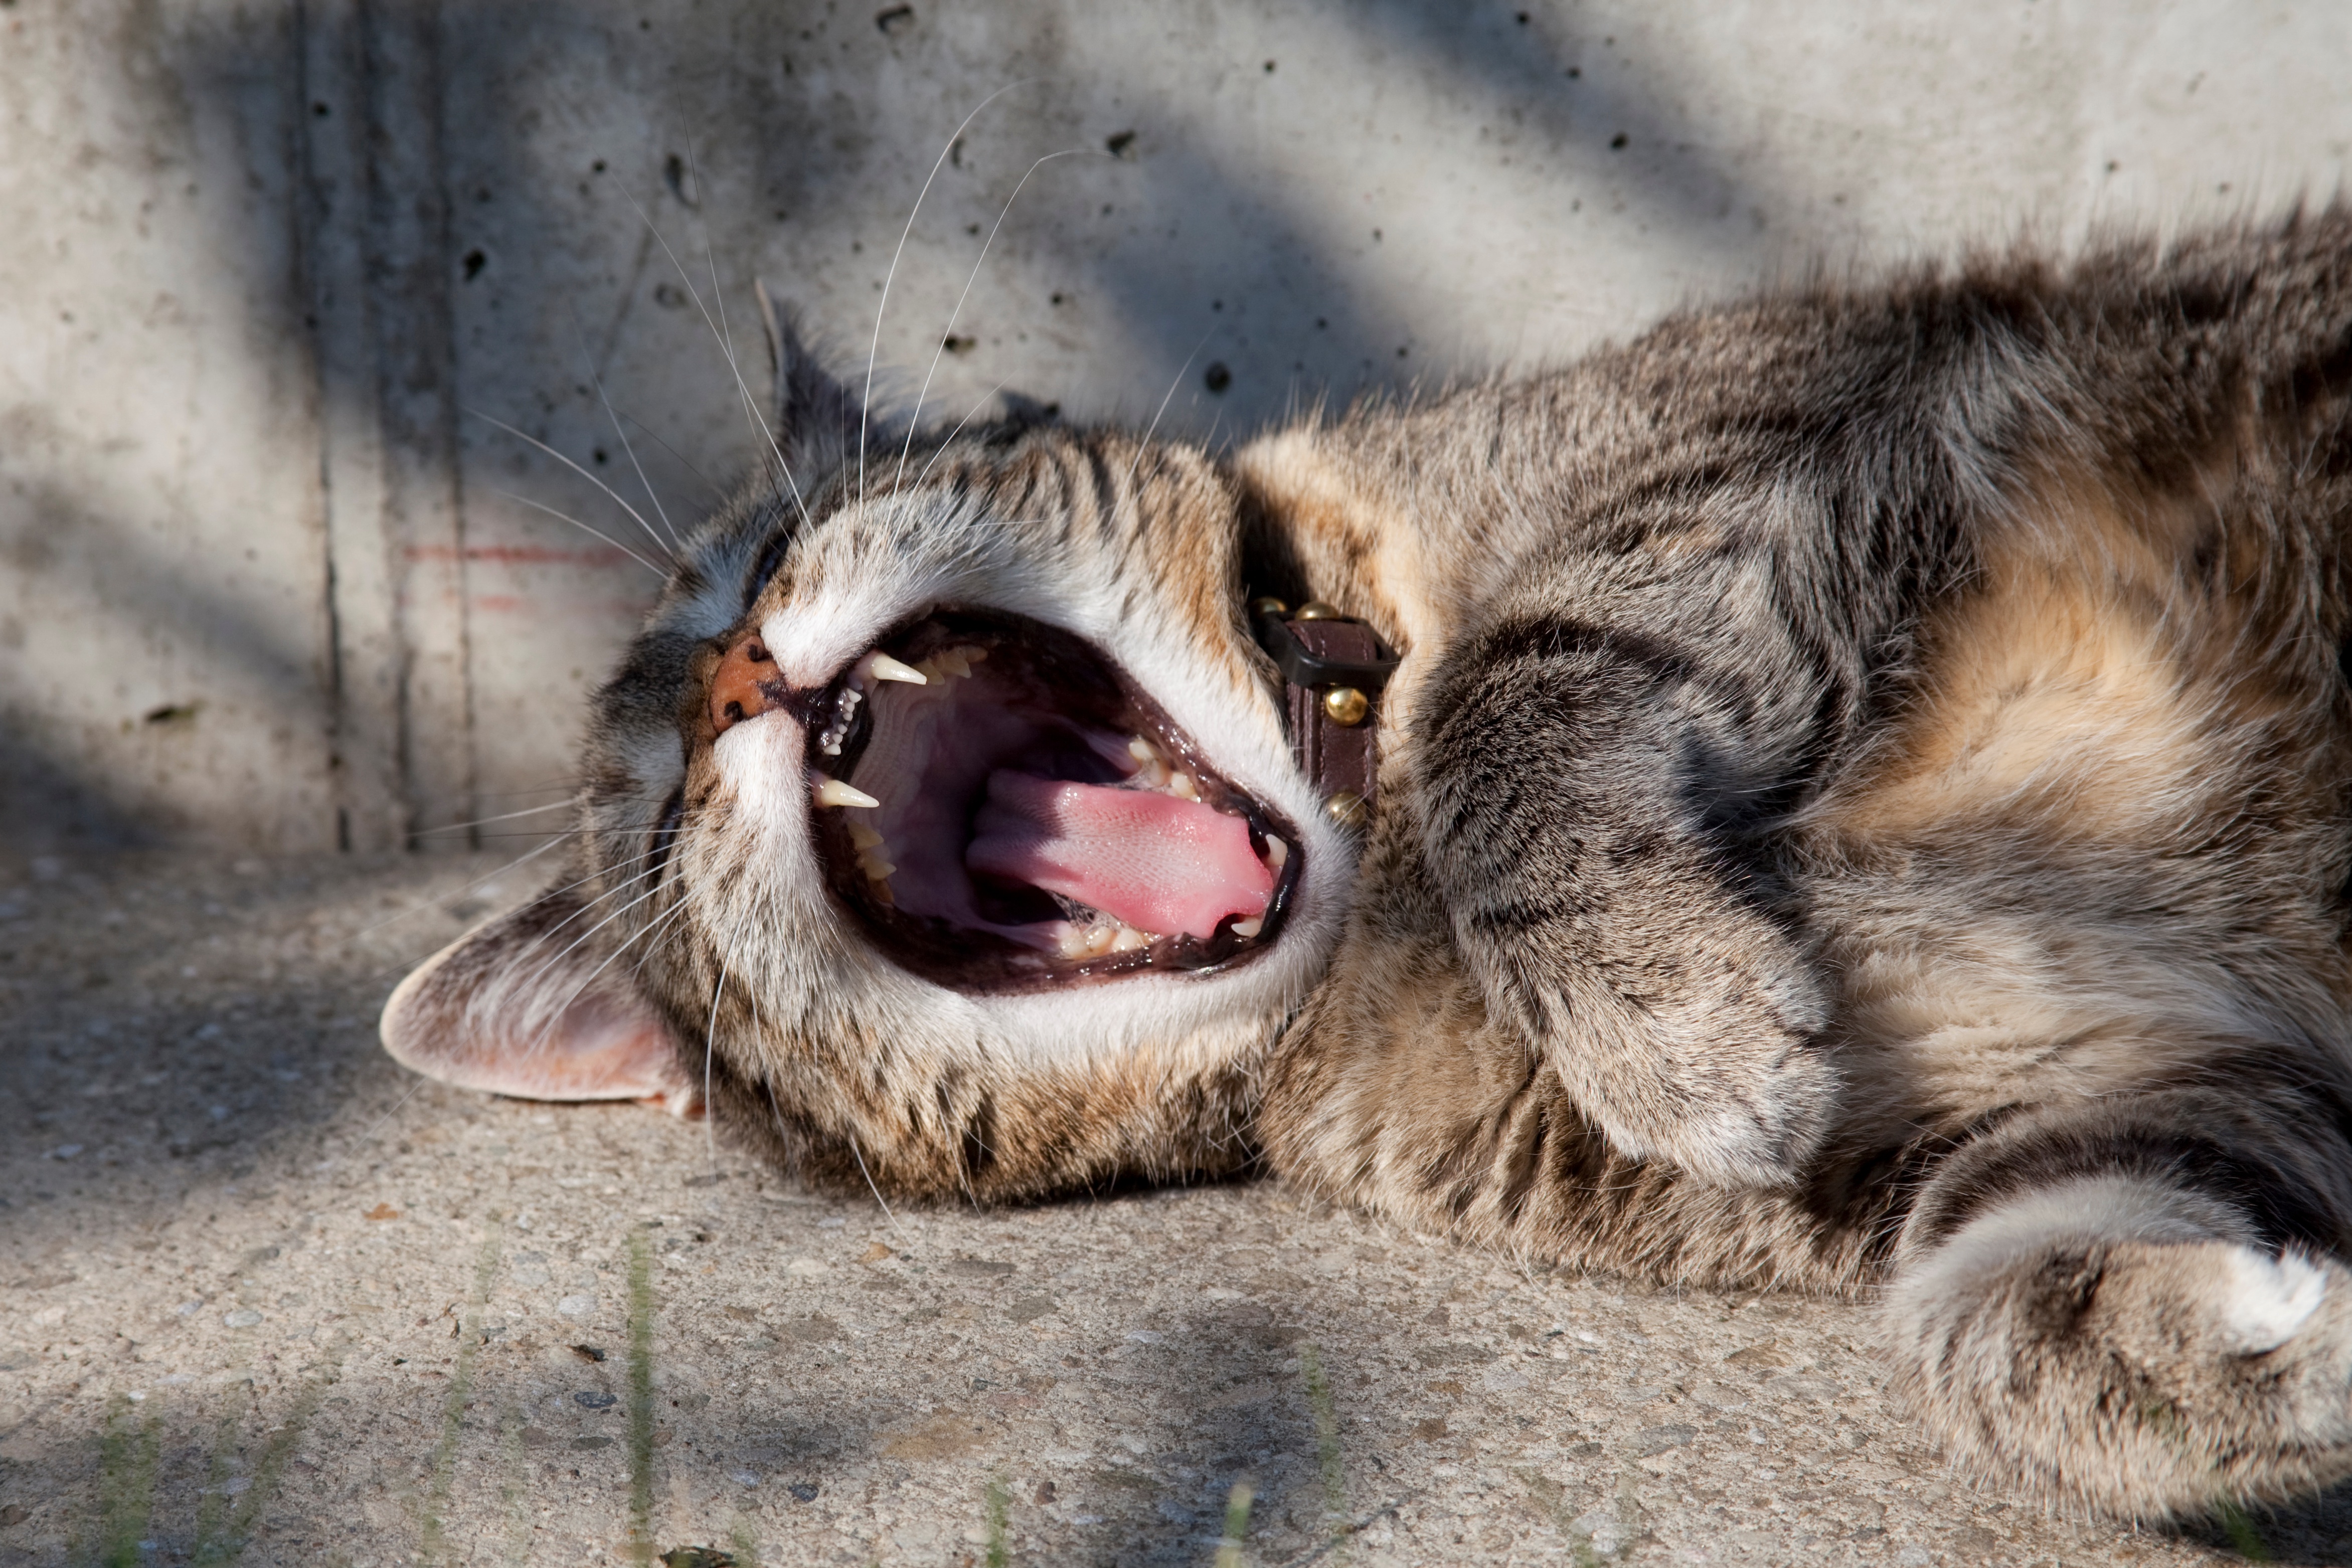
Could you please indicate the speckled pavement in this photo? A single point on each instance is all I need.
(271, 1301)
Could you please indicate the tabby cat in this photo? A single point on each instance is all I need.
(1865, 807)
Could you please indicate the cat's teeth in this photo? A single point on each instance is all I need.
(862, 837)
(1182, 785)
(1277, 852)
(1128, 939)
(1249, 927)
(1070, 941)
(957, 662)
(833, 792)
(880, 666)
(1142, 751)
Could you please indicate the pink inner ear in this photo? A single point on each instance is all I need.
(513, 1009)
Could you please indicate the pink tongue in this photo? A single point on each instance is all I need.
(1158, 863)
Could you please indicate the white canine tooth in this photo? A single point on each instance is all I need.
(1277, 852)
(1249, 927)
(881, 666)
(833, 792)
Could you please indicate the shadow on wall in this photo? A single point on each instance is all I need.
(521, 209)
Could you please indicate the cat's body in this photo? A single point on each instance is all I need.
(1867, 800)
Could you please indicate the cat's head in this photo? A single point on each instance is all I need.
(939, 822)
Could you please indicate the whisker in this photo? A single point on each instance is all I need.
(574, 945)
(1181, 372)
(551, 511)
(590, 978)
(596, 379)
(559, 457)
(751, 405)
(519, 861)
(501, 817)
(874, 349)
(664, 919)
(709, 1049)
(654, 436)
(952, 435)
(860, 1155)
(718, 300)
(916, 418)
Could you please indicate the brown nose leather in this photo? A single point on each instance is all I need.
(741, 689)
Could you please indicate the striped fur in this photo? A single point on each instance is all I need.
(1864, 809)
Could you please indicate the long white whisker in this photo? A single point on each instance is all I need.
(967, 419)
(583, 473)
(590, 978)
(860, 1155)
(1181, 372)
(583, 528)
(650, 433)
(750, 406)
(596, 379)
(717, 294)
(574, 945)
(916, 419)
(501, 817)
(664, 919)
(523, 859)
(874, 349)
(709, 1049)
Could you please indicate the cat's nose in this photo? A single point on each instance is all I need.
(746, 685)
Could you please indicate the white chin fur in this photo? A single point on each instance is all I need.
(2267, 1299)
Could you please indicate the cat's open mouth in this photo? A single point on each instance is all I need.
(1003, 810)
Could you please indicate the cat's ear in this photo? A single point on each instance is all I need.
(525, 1006)
(817, 420)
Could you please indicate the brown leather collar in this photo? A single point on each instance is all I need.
(1334, 668)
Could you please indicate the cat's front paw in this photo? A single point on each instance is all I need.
(1752, 1101)
(1714, 1066)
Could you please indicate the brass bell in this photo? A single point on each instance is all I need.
(1316, 610)
(1346, 809)
(1345, 706)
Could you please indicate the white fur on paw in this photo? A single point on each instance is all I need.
(2266, 1299)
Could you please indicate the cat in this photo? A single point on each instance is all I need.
(1862, 804)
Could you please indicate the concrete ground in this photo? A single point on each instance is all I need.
(270, 1300)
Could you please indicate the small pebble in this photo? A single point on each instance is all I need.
(594, 1399)
(576, 1306)
(802, 1491)
(243, 1318)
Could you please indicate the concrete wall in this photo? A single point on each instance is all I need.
(266, 580)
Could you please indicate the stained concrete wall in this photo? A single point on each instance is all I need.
(267, 578)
